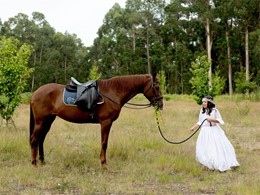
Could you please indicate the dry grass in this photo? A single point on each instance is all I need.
(139, 161)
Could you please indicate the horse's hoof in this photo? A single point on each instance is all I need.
(34, 163)
(42, 161)
(104, 167)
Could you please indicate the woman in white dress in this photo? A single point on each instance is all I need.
(213, 149)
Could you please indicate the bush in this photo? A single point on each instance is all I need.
(26, 97)
(200, 80)
(242, 85)
(14, 74)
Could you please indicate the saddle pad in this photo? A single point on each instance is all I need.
(69, 98)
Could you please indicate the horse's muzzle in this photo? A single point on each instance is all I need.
(158, 102)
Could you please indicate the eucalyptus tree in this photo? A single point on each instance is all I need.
(37, 32)
(180, 40)
(203, 12)
(247, 20)
(107, 51)
(17, 26)
(61, 58)
(56, 56)
(41, 39)
(225, 18)
(145, 22)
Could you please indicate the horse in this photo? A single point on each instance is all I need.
(47, 102)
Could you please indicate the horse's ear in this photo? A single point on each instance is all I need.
(155, 76)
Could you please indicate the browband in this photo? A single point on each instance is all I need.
(207, 100)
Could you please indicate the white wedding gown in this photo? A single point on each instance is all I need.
(213, 149)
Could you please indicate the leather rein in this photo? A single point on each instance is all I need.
(174, 142)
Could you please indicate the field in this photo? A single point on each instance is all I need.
(139, 160)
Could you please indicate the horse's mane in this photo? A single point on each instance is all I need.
(123, 83)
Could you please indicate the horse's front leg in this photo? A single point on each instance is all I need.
(105, 129)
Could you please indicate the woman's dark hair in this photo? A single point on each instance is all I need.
(209, 107)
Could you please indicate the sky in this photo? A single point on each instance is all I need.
(80, 17)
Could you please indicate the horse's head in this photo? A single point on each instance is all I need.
(152, 92)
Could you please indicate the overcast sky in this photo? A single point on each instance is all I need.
(81, 17)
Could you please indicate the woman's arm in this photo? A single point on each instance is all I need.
(216, 118)
(194, 127)
(213, 120)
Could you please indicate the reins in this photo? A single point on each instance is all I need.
(132, 104)
(141, 106)
(155, 102)
(172, 142)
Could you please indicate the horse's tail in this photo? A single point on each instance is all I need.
(31, 122)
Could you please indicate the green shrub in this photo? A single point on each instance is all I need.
(200, 80)
(26, 98)
(242, 85)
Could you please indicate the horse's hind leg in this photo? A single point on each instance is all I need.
(45, 129)
(34, 142)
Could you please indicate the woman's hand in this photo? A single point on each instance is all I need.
(194, 127)
(212, 120)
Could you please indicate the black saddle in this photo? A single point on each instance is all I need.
(87, 97)
(74, 84)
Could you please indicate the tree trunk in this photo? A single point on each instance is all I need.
(247, 52)
(229, 65)
(148, 51)
(133, 40)
(65, 69)
(209, 51)
(33, 74)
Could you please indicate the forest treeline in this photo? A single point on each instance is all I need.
(149, 36)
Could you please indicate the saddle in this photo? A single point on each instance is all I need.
(87, 95)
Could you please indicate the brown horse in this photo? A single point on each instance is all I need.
(47, 103)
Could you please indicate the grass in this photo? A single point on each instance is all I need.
(139, 160)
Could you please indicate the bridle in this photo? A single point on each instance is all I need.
(153, 103)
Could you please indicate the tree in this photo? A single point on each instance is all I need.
(55, 57)
(162, 82)
(94, 74)
(247, 16)
(200, 80)
(225, 12)
(13, 74)
(145, 24)
(202, 11)
(242, 84)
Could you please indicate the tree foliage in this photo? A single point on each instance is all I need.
(149, 36)
(14, 74)
(94, 73)
(200, 80)
(242, 85)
